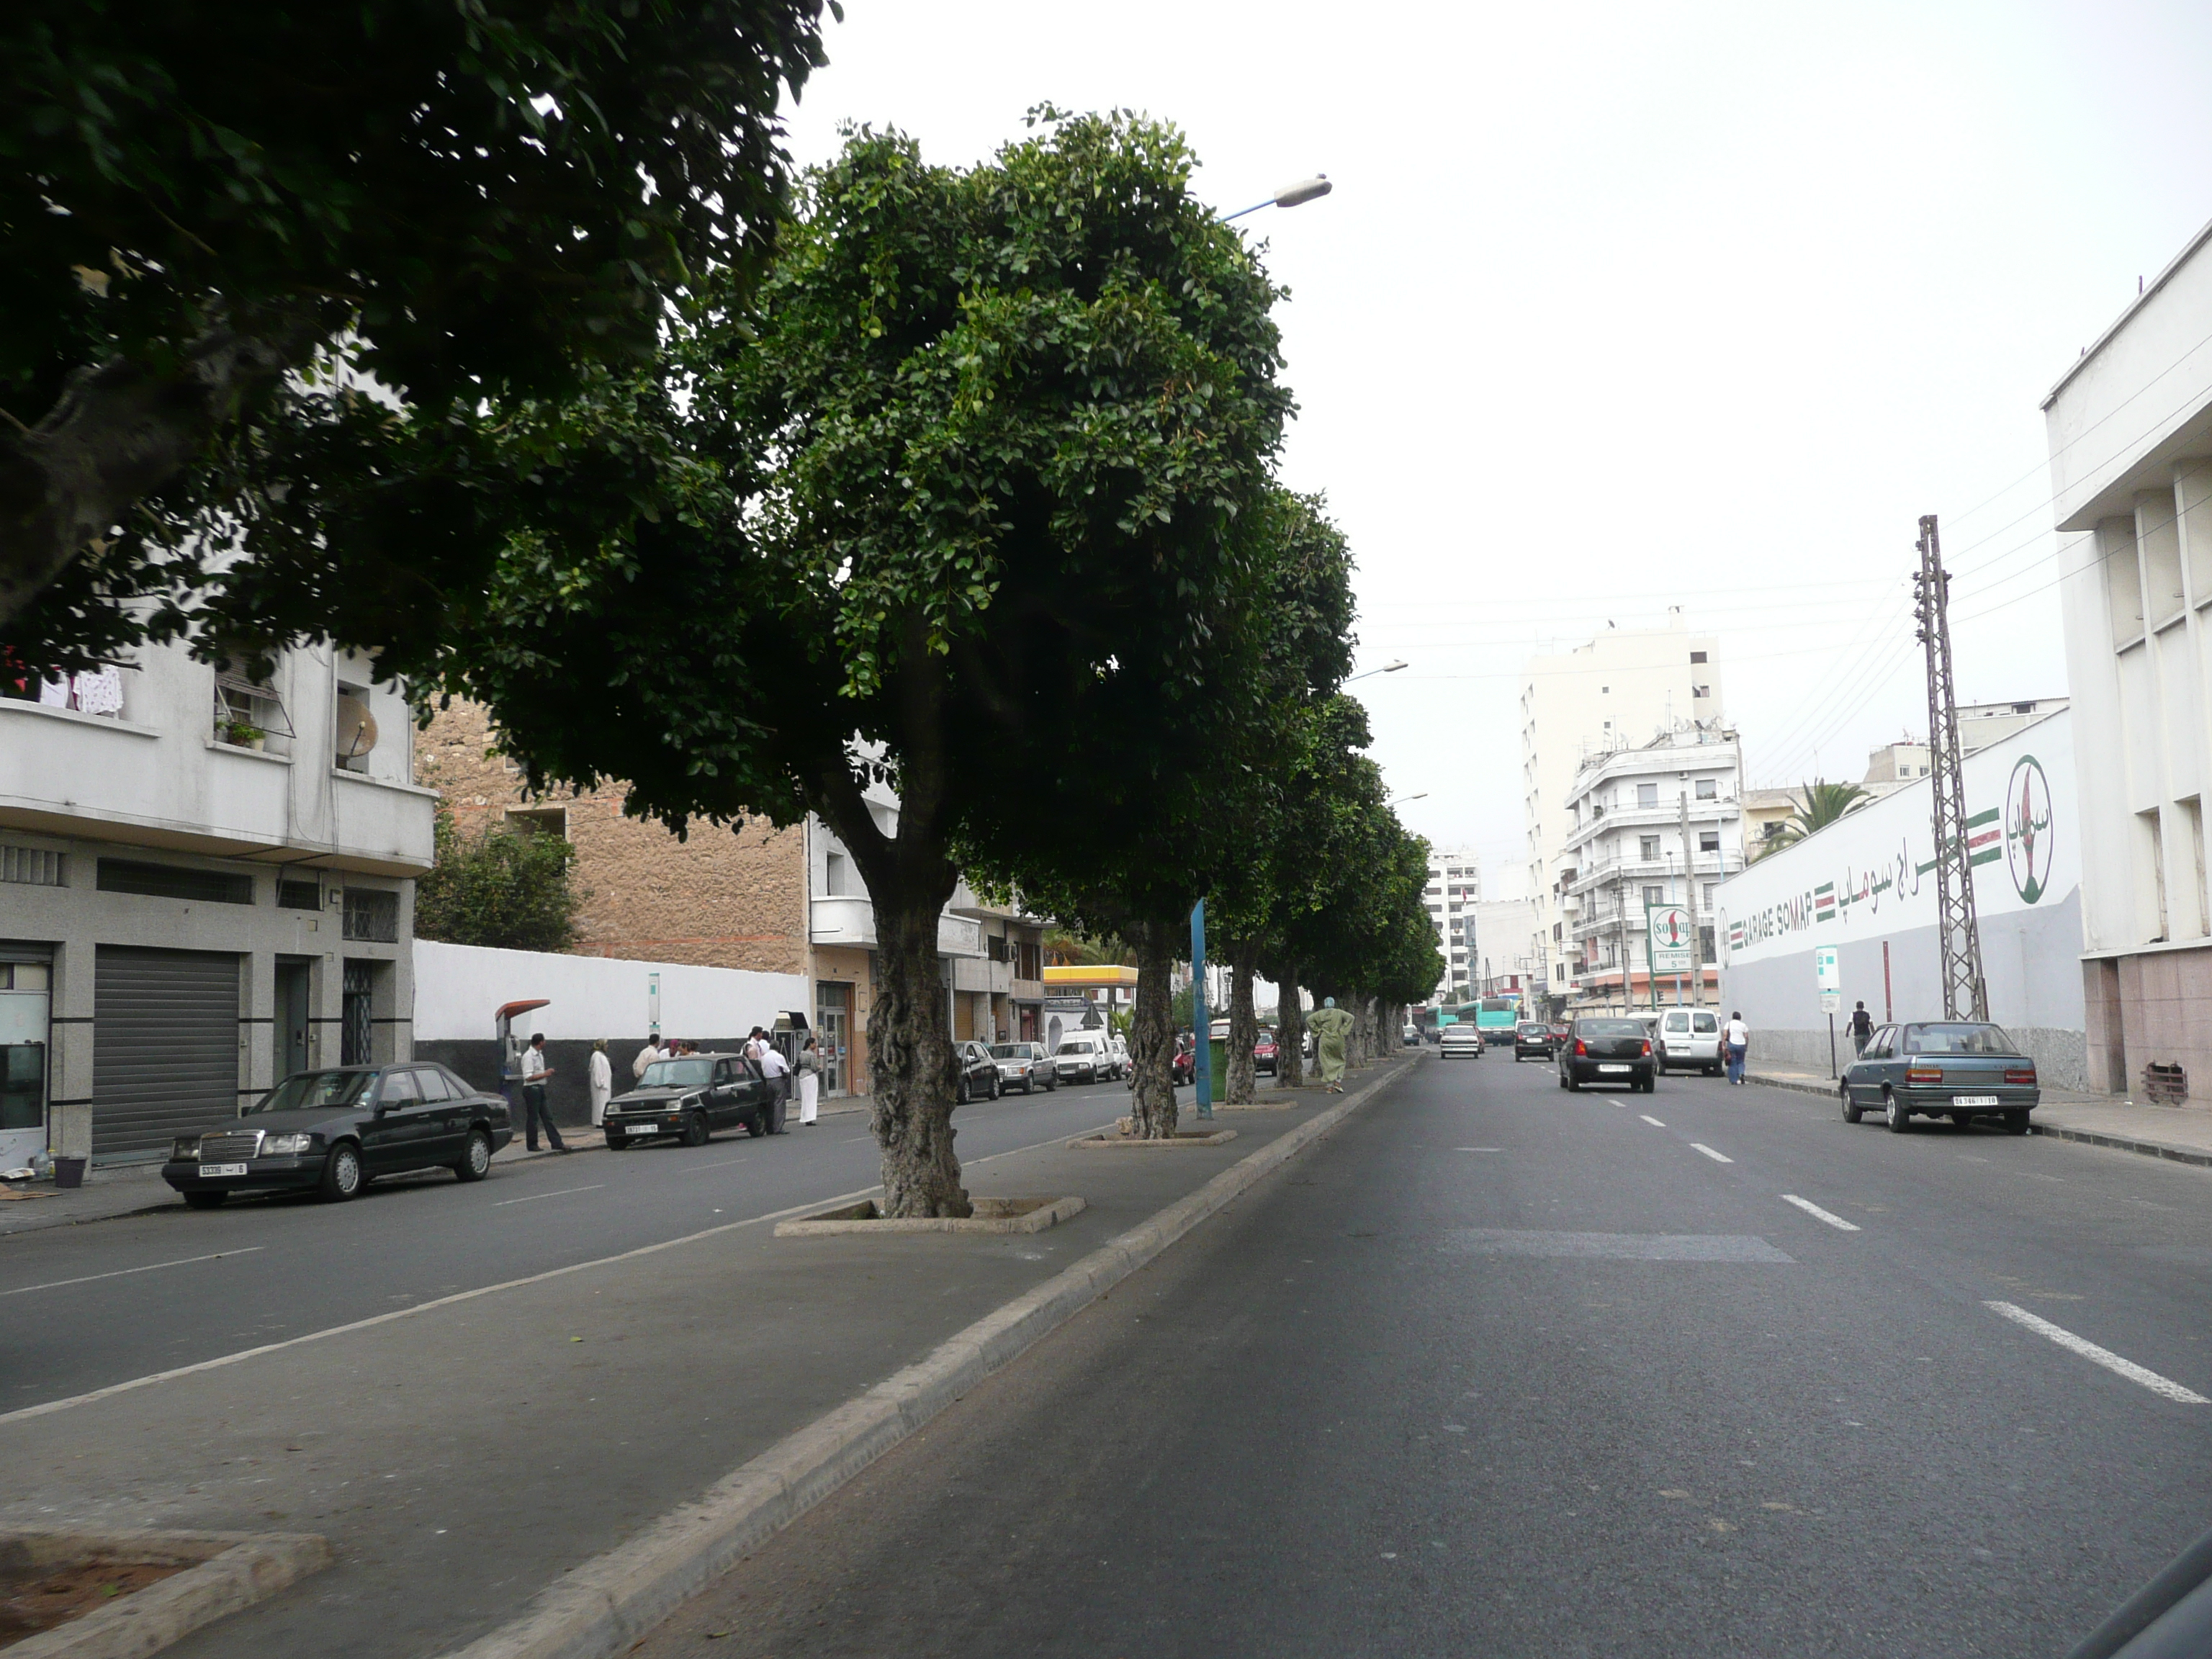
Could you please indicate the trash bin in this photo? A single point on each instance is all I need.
(69, 1172)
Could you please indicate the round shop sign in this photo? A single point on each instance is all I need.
(2030, 837)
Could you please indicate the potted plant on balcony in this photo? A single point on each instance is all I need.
(243, 734)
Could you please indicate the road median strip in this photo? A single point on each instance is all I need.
(604, 1606)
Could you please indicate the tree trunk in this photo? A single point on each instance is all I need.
(910, 1064)
(1289, 1030)
(1151, 1033)
(1243, 1028)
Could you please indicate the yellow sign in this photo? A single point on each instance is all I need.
(1091, 976)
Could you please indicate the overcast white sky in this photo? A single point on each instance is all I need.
(1618, 306)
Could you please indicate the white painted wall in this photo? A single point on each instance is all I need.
(457, 987)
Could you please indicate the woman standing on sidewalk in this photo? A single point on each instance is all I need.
(809, 1081)
(1738, 1039)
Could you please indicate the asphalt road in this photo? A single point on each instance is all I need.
(91, 1306)
(1499, 1370)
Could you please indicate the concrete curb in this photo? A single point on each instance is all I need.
(993, 1215)
(1182, 1137)
(233, 1571)
(2125, 1144)
(1826, 1091)
(602, 1607)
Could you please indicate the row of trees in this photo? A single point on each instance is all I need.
(944, 475)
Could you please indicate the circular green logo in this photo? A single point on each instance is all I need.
(2030, 837)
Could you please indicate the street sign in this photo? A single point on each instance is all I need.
(1827, 972)
(1670, 936)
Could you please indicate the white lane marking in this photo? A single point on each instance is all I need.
(1820, 1214)
(722, 1163)
(1650, 1120)
(564, 1193)
(122, 1272)
(1718, 1158)
(220, 1361)
(2105, 1357)
(1478, 1149)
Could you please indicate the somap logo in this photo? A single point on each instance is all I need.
(2030, 837)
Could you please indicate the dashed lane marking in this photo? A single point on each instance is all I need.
(1650, 1120)
(2089, 1351)
(1820, 1214)
(562, 1193)
(122, 1272)
(1718, 1158)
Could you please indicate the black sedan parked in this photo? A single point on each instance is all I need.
(334, 1131)
(1959, 1069)
(1532, 1037)
(691, 1098)
(979, 1074)
(1600, 1050)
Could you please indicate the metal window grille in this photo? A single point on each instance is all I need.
(354, 1027)
(31, 867)
(299, 896)
(174, 881)
(372, 915)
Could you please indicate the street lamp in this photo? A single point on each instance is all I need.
(1395, 800)
(1305, 190)
(1387, 668)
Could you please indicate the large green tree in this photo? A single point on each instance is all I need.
(950, 502)
(244, 242)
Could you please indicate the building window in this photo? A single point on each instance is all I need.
(1712, 894)
(1708, 788)
(31, 867)
(994, 948)
(250, 715)
(1696, 656)
(1647, 849)
(174, 881)
(539, 820)
(833, 875)
(1701, 690)
(372, 915)
(1709, 841)
(1028, 963)
(354, 736)
(299, 896)
(1654, 895)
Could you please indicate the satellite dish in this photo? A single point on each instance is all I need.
(356, 733)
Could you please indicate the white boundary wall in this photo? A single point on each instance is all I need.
(1868, 881)
(458, 987)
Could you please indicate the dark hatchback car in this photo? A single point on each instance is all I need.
(978, 1077)
(1958, 1069)
(691, 1098)
(1532, 1037)
(333, 1131)
(1601, 1050)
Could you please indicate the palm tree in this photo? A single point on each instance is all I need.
(1819, 803)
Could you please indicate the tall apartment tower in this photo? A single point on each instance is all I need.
(1455, 889)
(1616, 692)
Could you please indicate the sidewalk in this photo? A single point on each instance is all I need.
(2182, 1133)
(683, 1358)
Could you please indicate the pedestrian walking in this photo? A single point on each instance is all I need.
(1738, 1038)
(537, 1072)
(646, 1056)
(603, 1082)
(810, 1082)
(1862, 1028)
(777, 1069)
(1330, 1025)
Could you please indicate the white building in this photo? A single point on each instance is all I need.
(1455, 888)
(1505, 955)
(1865, 886)
(206, 881)
(2129, 428)
(1659, 824)
(1618, 688)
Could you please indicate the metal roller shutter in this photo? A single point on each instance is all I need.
(164, 1045)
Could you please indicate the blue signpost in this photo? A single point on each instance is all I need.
(1201, 1013)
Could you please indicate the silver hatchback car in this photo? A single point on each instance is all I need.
(1688, 1040)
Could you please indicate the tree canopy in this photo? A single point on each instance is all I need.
(243, 239)
(505, 887)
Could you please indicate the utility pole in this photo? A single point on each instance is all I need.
(1697, 939)
(1958, 932)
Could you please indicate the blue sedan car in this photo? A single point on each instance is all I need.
(1958, 1069)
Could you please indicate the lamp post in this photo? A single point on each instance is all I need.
(1290, 196)
(1390, 667)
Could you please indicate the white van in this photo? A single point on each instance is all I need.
(1688, 1039)
(1084, 1058)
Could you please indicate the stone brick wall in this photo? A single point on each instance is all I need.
(725, 898)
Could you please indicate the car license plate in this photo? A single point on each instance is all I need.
(642, 1129)
(222, 1168)
(1973, 1100)
(1613, 1068)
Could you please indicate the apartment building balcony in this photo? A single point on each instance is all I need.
(1704, 814)
(850, 919)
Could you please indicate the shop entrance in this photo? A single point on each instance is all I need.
(833, 1004)
(24, 1010)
